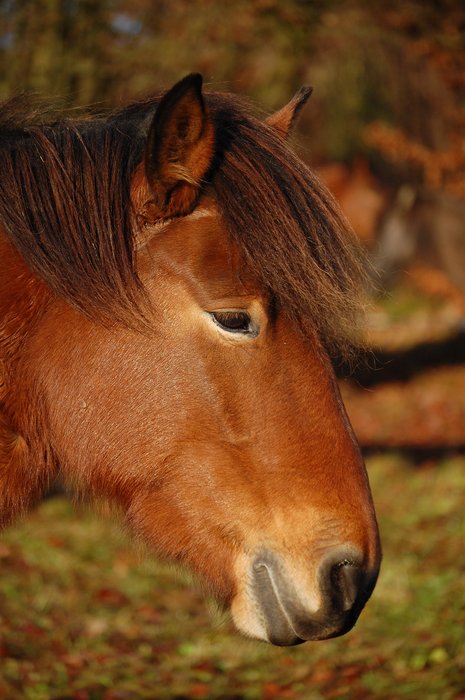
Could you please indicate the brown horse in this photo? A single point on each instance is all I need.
(172, 277)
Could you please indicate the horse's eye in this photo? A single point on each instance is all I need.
(235, 322)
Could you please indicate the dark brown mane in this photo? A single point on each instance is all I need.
(289, 227)
(65, 205)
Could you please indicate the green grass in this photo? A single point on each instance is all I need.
(406, 302)
(84, 615)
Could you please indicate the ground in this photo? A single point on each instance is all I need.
(86, 616)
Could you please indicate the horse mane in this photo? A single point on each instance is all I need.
(65, 206)
(289, 228)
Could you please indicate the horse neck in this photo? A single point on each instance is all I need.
(24, 471)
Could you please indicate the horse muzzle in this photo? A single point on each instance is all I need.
(275, 608)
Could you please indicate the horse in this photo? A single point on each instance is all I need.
(173, 283)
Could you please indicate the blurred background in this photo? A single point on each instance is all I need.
(81, 614)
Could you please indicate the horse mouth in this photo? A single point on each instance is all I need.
(278, 621)
(278, 613)
(286, 620)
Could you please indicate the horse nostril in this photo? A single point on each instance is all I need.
(345, 578)
(341, 578)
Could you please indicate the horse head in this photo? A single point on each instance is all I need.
(213, 421)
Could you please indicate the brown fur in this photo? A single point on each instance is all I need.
(65, 204)
(113, 371)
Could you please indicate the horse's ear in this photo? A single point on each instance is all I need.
(283, 120)
(179, 150)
